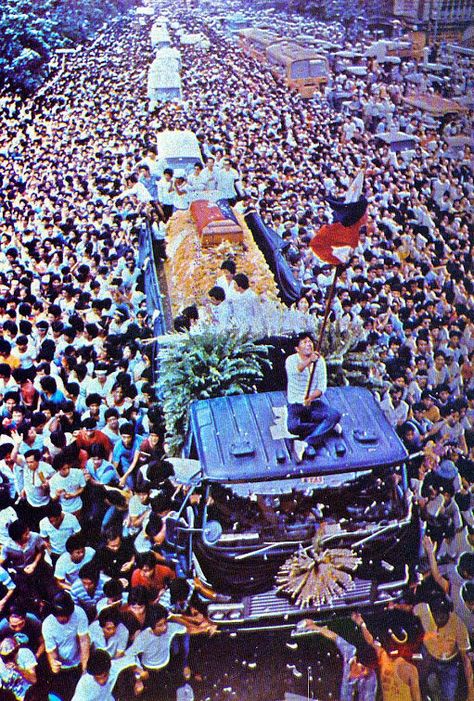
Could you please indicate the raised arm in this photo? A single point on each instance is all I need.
(366, 634)
(436, 574)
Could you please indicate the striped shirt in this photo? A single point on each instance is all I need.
(298, 381)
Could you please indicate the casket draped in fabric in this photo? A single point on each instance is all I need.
(212, 224)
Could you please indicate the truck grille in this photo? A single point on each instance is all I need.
(269, 604)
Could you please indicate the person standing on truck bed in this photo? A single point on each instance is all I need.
(228, 182)
(309, 415)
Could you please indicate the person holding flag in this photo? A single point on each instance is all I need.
(309, 416)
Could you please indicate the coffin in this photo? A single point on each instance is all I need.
(212, 225)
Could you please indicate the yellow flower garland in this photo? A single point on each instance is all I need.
(192, 270)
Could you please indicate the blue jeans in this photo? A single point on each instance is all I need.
(314, 422)
(181, 644)
(446, 673)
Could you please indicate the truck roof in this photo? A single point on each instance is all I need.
(234, 441)
(178, 144)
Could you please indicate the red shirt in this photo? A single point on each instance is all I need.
(86, 440)
(161, 576)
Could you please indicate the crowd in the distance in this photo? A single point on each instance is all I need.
(87, 579)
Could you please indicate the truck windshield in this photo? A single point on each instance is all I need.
(295, 507)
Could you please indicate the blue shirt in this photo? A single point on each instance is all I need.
(64, 637)
(361, 688)
(124, 456)
(82, 597)
(105, 474)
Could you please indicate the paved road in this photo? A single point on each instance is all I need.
(263, 667)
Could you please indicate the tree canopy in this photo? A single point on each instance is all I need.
(30, 33)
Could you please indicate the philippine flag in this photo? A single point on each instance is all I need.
(335, 242)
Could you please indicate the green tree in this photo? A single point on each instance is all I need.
(30, 33)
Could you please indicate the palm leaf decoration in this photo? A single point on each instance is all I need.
(315, 576)
(204, 365)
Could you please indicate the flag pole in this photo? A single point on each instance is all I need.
(327, 311)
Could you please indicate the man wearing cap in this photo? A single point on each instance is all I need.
(17, 668)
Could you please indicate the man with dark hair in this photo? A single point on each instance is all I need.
(24, 627)
(33, 477)
(88, 589)
(101, 676)
(398, 676)
(219, 310)
(165, 187)
(309, 416)
(445, 646)
(116, 557)
(68, 565)
(154, 645)
(246, 312)
(25, 554)
(65, 633)
(109, 633)
(56, 528)
(359, 680)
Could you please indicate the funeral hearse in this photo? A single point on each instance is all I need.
(260, 507)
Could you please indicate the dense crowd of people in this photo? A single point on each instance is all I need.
(93, 598)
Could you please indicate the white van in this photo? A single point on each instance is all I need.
(178, 150)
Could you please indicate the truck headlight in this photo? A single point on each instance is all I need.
(225, 612)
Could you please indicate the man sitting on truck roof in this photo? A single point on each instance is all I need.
(309, 416)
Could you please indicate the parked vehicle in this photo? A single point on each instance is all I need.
(304, 70)
(178, 150)
(255, 42)
(259, 506)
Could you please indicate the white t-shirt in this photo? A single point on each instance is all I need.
(63, 637)
(7, 516)
(298, 381)
(58, 536)
(117, 643)
(88, 689)
(68, 570)
(30, 481)
(155, 649)
(74, 480)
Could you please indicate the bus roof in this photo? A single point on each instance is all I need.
(182, 144)
(287, 52)
(262, 36)
(234, 440)
(434, 104)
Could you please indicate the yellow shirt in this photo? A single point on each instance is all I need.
(442, 643)
(393, 687)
